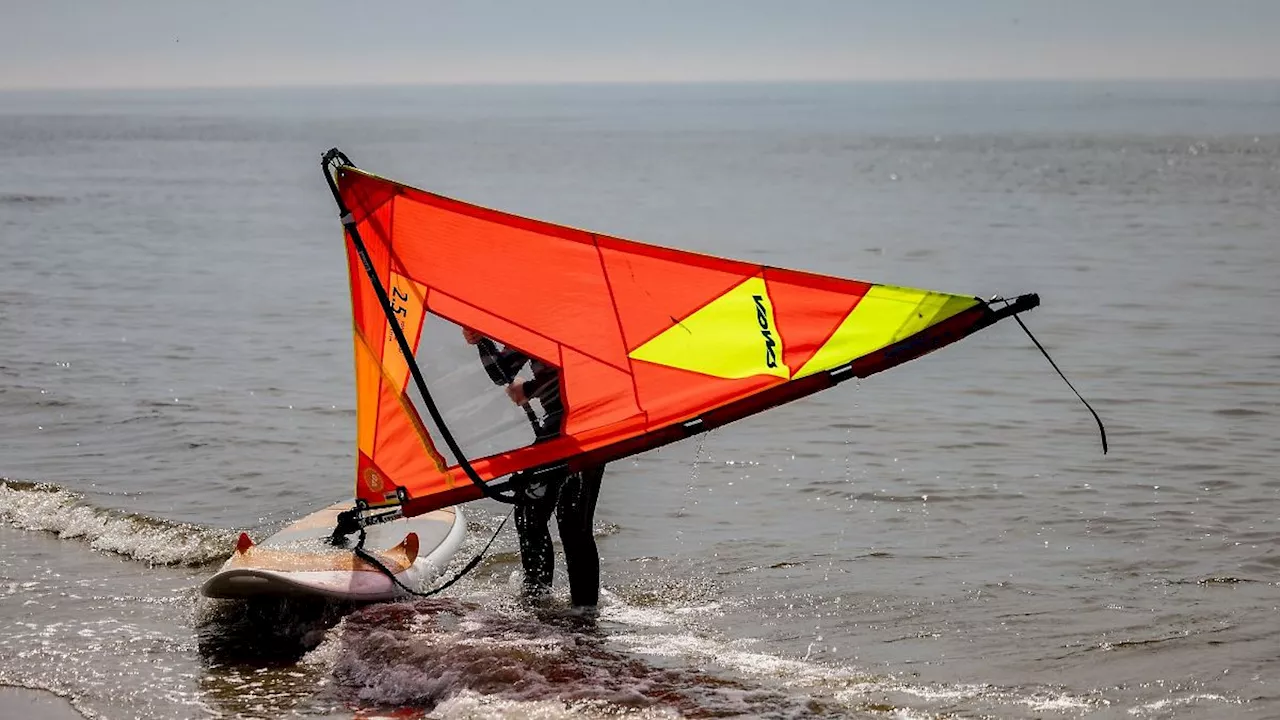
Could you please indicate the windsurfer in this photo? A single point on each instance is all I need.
(571, 497)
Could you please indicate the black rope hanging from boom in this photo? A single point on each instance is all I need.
(1102, 430)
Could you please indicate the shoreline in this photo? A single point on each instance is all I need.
(20, 702)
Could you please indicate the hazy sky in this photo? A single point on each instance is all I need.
(180, 43)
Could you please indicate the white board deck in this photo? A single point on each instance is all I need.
(298, 561)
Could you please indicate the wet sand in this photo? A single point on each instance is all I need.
(35, 705)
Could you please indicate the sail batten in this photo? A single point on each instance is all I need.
(621, 346)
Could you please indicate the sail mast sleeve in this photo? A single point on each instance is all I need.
(333, 163)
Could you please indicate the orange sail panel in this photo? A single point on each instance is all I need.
(639, 339)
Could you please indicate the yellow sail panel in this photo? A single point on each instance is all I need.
(734, 336)
(393, 444)
(406, 298)
(389, 366)
(368, 379)
(885, 315)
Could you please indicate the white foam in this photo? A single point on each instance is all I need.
(52, 509)
(469, 705)
(845, 684)
(483, 657)
(1173, 702)
(1060, 702)
(70, 699)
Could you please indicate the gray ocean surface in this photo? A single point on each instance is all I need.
(942, 540)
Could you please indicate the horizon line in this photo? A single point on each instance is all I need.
(649, 82)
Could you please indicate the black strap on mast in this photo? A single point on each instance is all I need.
(332, 162)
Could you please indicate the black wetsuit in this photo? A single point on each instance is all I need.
(574, 504)
(572, 497)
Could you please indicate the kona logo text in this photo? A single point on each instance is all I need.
(762, 317)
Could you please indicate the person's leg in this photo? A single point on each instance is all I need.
(536, 554)
(575, 513)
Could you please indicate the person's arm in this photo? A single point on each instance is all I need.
(544, 385)
(546, 380)
(511, 361)
(501, 365)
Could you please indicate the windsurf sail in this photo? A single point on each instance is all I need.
(616, 346)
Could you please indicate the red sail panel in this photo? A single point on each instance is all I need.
(532, 279)
(643, 338)
(809, 308)
(393, 447)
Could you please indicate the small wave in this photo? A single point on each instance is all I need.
(1239, 412)
(1222, 580)
(1162, 706)
(47, 507)
(24, 199)
(41, 701)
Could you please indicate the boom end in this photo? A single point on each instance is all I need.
(1020, 304)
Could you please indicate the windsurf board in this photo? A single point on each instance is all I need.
(299, 560)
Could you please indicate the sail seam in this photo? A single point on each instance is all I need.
(394, 263)
(568, 232)
(531, 331)
(415, 420)
(383, 379)
(622, 333)
(677, 321)
(830, 334)
(368, 211)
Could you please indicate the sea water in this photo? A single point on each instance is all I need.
(942, 540)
